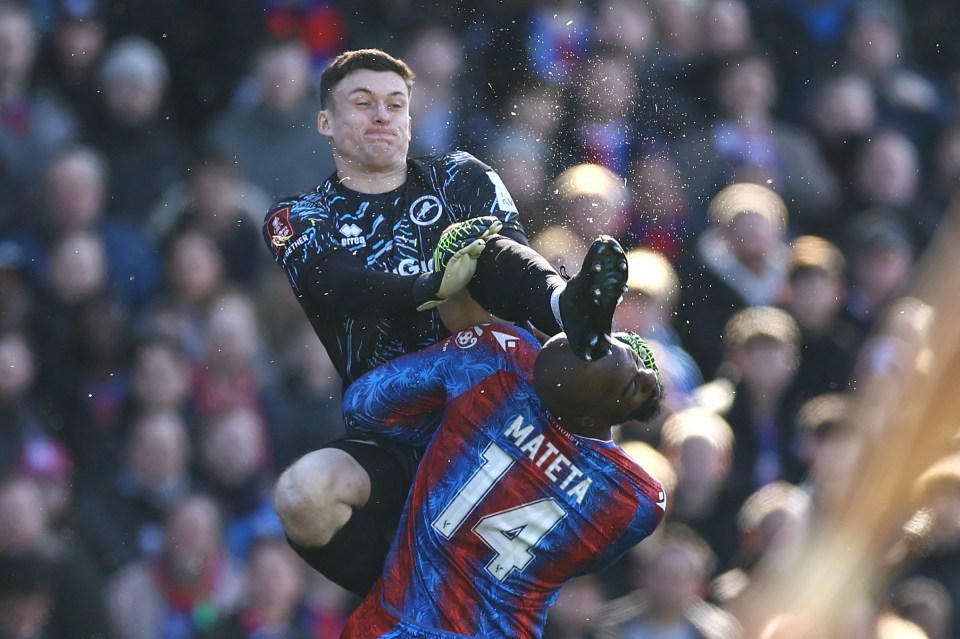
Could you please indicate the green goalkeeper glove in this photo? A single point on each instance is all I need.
(454, 260)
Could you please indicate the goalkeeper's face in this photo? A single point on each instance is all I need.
(368, 120)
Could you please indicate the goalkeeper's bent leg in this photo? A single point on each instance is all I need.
(353, 557)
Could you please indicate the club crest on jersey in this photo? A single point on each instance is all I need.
(280, 228)
(352, 236)
(466, 339)
(426, 210)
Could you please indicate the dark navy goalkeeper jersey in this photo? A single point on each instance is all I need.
(394, 232)
(506, 506)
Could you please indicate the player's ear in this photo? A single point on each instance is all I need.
(323, 123)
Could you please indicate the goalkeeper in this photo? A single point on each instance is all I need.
(370, 254)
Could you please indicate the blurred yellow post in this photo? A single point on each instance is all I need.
(908, 417)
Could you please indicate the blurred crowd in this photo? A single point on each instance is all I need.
(776, 168)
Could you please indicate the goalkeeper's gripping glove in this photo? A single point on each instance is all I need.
(454, 260)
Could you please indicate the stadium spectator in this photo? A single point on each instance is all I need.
(699, 444)
(592, 200)
(78, 608)
(193, 278)
(145, 152)
(924, 602)
(881, 257)
(669, 600)
(772, 522)
(235, 470)
(273, 140)
(830, 447)
(187, 586)
(746, 141)
(662, 216)
(70, 56)
(877, 44)
(305, 410)
(648, 308)
(75, 198)
(741, 260)
(816, 291)
(274, 597)
(932, 536)
(217, 200)
(35, 123)
(122, 510)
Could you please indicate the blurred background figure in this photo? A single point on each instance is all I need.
(815, 297)
(26, 597)
(741, 260)
(124, 505)
(69, 599)
(228, 374)
(305, 411)
(601, 126)
(841, 115)
(578, 607)
(160, 381)
(437, 54)
(184, 589)
(593, 200)
(748, 142)
(34, 123)
(193, 277)
(829, 447)
(925, 603)
(877, 45)
(805, 39)
(76, 196)
(21, 413)
(274, 600)
(526, 154)
(762, 356)
(70, 55)
(662, 215)
(17, 294)
(699, 445)
(235, 469)
(881, 259)
(942, 183)
(669, 600)
(932, 537)
(216, 199)
(274, 140)
(886, 175)
(772, 522)
(648, 308)
(145, 152)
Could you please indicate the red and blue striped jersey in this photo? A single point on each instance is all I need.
(506, 506)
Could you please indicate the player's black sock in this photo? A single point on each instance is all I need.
(515, 283)
(353, 558)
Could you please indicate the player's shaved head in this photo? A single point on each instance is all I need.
(557, 379)
(604, 392)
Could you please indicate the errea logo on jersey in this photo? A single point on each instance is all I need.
(352, 236)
